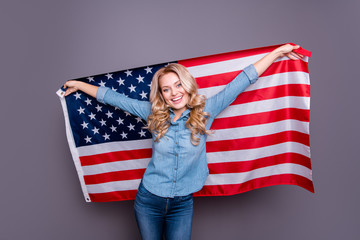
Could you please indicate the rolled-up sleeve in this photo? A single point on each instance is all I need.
(251, 73)
(101, 93)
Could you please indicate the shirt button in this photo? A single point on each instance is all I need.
(175, 169)
(174, 181)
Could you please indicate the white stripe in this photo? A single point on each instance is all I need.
(259, 130)
(213, 179)
(236, 178)
(114, 186)
(265, 82)
(256, 153)
(228, 65)
(266, 106)
(116, 166)
(114, 147)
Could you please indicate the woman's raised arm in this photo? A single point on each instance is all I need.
(284, 50)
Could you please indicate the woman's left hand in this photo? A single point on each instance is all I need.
(288, 51)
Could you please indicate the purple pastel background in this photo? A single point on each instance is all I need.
(45, 42)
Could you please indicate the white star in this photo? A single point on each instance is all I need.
(95, 130)
(106, 136)
(84, 125)
(109, 114)
(102, 83)
(132, 88)
(77, 95)
(127, 113)
(81, 110)
(142, 133)
(149, 85)
(128, 73)
(87, 139)
(109, 76)
(123, 135)
(88, 101)
(148, 70)
(92, 116)
(140, 79)
(113, 129)
(138, 119)
(103, 122)
(91, 79)
(99, 108)
(143, 94)
(131, 127)
(114, 89)
(120, 121)
(121, 81)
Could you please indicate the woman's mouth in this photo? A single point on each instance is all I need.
(177, 100)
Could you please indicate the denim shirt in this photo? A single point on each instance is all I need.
(177, 167)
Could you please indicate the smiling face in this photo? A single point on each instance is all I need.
(173, 92)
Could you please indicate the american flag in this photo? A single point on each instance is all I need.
(260, 140)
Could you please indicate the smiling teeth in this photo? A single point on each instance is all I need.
(175, 99)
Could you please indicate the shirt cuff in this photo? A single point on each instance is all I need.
(100, 94)
(251, 73)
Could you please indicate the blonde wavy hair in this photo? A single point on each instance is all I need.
(159, 120)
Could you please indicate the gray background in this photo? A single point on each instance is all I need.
(44, 43)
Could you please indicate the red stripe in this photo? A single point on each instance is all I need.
(275, 68)
(231, 189)
(113, 196)
(297, 90)
(226, 56)
(218, 190)
(261, 118)
(114, 176)
(257, 142)
(246, 166)
(115, 156)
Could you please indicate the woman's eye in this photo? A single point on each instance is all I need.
(165, 90)
(179, 85)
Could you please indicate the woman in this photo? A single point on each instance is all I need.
(179, 120)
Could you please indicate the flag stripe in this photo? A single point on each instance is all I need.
(115, 156)
(299, 90)
(255, 153)
(244, 166)
(275, 68)
(231, 189)
(226, 56)
(262, 118)
(257, 142)
(114, 176)
(265, 106)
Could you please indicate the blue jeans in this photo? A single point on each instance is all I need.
(157, 216)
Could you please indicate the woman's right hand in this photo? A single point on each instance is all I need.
(71, 87)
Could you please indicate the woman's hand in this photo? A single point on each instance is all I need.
(284, 50)
(288, 51)
(73, 86)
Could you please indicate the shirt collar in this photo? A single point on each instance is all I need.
(186, 113)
